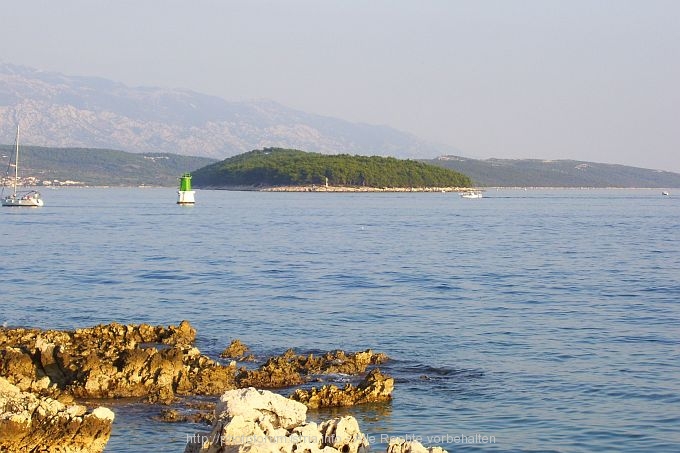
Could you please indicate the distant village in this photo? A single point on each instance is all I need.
(32, 181)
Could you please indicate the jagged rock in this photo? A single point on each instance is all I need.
(171, 415)
(259, 421)
(235, 350)
(344, 435)
(30, 423)
(177, 416)
(400, 445)
(18, 367)
(277, 372)
(111, 361)
(343, 363)
(156, 362)
(375, 387)
(288, 369)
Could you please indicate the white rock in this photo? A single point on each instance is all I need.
(400, 445)
(344, 435)
(76, 410)
(104, 413)
(253, 404)
(254, 421)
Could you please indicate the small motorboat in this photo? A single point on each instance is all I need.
(471, 194)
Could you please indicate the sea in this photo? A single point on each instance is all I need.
(525, 321)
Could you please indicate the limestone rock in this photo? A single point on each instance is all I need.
(111, 361)
(375, 387)
(289, 369)
(31, 423)
(259, 421)
(18, 367)
(253, 404)
(400, 445)
(344, 435)
(181, 416)
(235, 350)
(277, 372)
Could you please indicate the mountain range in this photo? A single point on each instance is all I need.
(56, 110)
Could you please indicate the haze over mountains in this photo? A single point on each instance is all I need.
(57, 110)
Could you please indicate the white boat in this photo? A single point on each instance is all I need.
(29, 198)
(471, 194)
(665, 194)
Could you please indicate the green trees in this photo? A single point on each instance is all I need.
(283, 167)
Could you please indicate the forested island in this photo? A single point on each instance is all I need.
(278, 167)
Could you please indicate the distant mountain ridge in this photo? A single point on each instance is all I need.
(68, 111)
(555, 173)
(97, 167)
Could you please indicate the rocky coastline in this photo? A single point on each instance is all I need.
(55, 370)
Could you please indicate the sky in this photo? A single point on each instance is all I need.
(595, 80)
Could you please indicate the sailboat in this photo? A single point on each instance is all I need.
(29, 198)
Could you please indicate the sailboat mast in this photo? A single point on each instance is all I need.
(16, 163)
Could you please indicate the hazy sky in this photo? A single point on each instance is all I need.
(584, 79)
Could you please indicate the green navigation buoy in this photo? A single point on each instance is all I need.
(185, 195)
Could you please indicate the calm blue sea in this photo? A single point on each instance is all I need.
(548, 320)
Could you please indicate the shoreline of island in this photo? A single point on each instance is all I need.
(336, 189)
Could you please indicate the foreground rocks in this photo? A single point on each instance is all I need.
(154, 362)
(259, 421)
(374, 388)
(250, 420)
(45, 371)
(31, 423)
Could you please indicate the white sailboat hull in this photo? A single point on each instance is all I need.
(31, 200)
